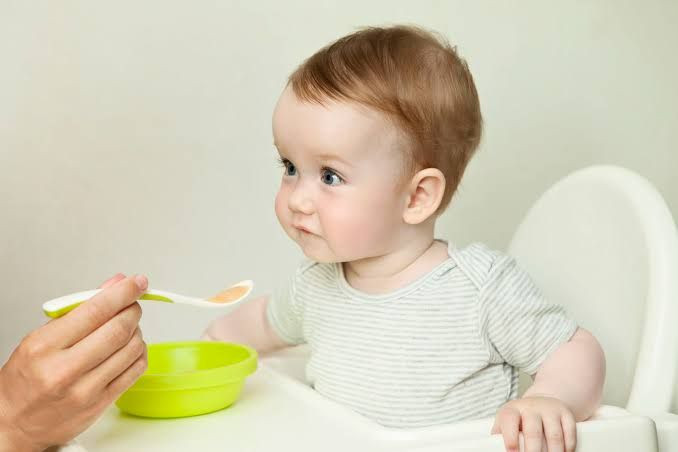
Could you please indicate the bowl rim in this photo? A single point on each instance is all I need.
(202, 378)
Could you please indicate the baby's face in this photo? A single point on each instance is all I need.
(341, 197)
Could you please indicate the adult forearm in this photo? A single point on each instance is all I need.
(574, 374)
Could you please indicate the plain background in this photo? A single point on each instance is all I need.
(135, 136)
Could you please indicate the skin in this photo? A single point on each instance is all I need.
(342, 198)
(62, 376)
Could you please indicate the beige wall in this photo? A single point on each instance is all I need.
(135, 136)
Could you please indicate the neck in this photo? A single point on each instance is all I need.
(414, 257)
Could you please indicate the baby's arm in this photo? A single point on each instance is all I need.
(567, 388)
(574, 373)
(247, 325)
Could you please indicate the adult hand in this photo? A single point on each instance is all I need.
(62, 376)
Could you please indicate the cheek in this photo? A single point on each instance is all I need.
(281, 210)
(364, 222)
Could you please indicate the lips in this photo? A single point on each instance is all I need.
(301, 228)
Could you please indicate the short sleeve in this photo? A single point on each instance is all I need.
(285, 311)
(518, 324)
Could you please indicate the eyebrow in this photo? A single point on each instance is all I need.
(334, 158)
(325, 156)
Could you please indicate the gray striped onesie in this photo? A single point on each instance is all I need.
(444, 348)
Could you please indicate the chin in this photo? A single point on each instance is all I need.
(320, 256)
(322, 260)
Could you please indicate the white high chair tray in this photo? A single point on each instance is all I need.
(278, 411)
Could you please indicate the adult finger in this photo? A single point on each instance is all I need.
(532, 432)
(126, 379)
(109, 282)
(553, 432)
(97, 379)
(89, 316)
(104, 341)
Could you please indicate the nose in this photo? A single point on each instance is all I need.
(300, 200)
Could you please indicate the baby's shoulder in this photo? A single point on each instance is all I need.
(478, 262)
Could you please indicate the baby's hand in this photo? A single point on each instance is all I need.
(528, 415)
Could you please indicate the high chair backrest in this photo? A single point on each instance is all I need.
(602, 243)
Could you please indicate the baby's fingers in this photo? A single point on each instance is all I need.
(533, 432)
(508, 423)
(569, 431)
(553, 432)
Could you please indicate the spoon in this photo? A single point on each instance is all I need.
(225, 301)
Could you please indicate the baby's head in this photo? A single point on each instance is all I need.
(374, 132)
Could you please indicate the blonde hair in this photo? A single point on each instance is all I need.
(416, 79)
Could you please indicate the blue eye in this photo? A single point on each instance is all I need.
(290, 169)
(329, 177)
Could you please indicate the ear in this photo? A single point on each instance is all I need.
(424, 195)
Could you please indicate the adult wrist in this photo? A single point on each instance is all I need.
(11, 437)
(11, 441)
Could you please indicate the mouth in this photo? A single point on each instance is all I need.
(302, 229)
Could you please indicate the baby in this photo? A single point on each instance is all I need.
(374, 132)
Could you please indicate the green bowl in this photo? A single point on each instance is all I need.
(189, 378)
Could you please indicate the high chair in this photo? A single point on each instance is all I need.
(601, 242)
